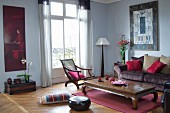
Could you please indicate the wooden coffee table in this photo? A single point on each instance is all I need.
(133, 90)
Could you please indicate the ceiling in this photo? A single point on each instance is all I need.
(106, 1)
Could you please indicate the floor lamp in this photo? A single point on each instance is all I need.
(102, 42)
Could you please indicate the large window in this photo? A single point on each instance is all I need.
(64, 32)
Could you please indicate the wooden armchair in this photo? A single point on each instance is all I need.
(73, 72)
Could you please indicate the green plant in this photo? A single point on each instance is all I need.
(26, 74)
(123, 43)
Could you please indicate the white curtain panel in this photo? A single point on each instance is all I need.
(45, 45)
(85, 39)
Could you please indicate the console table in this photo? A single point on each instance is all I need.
(20, 87)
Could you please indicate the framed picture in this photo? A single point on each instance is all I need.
(144, 26)
(14, 37)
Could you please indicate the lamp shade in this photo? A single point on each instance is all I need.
(102, 41)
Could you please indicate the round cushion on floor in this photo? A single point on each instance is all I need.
(79, 103)
(54, 98)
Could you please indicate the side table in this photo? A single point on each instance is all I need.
(20, 87)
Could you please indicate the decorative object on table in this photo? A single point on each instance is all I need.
(100, 79)
(111, 79)
(119, 83)
(123, 43)
(14, 37)
(26, 74)
(102, 42)
(9, 81)
(144, 26)
(17, 80)
(79, 103)
(54, 98)
(107, 77)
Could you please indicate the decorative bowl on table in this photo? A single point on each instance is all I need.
(119, 83)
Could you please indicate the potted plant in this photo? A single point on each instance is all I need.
(123, 43)
(26, 74)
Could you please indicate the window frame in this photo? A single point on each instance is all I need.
(56, 17)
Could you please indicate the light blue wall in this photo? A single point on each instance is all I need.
(119, 15)
(32, 40)
(117, 22)
(98, 16)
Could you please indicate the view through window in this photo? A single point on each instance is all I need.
(64, 32)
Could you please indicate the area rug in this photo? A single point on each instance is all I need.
(120, 103)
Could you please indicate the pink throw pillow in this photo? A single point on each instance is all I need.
(134, 65)
(156, 67)
(75, 75)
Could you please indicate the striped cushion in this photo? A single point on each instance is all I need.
(54, 98)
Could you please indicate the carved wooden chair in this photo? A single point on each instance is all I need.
(73, 72)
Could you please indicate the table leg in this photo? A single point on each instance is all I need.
(84, 89)
(155, 96)
(135, 103)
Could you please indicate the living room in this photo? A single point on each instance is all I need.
(110, 20)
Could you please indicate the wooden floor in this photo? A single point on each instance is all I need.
(28, 102)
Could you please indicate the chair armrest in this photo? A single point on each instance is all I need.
(83, 68)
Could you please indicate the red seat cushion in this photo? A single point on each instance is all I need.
(156, 67)
(134, 65)
(75, 75)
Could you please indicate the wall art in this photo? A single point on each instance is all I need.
(14, 37)
(144, 26)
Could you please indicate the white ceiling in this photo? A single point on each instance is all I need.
(106, 1)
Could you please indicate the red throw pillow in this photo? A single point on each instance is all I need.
(75, 75)
(156, 67)
(134, 65)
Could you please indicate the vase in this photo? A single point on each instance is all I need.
(123, 57)
(27, 78)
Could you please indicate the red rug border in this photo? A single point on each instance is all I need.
(154, 107)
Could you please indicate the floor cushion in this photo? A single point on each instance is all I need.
(54, 98)
(79, 103)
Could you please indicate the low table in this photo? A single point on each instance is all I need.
(20, 87)
(133, 90)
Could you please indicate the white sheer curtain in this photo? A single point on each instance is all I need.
(45, 43)
(85, 39)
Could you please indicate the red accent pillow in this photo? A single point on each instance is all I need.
(157, 66)
(134, 65)
(75, 75)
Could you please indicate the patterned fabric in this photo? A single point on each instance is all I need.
(156, 67)
(55, 98)
(132, 75)
(156, 78)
